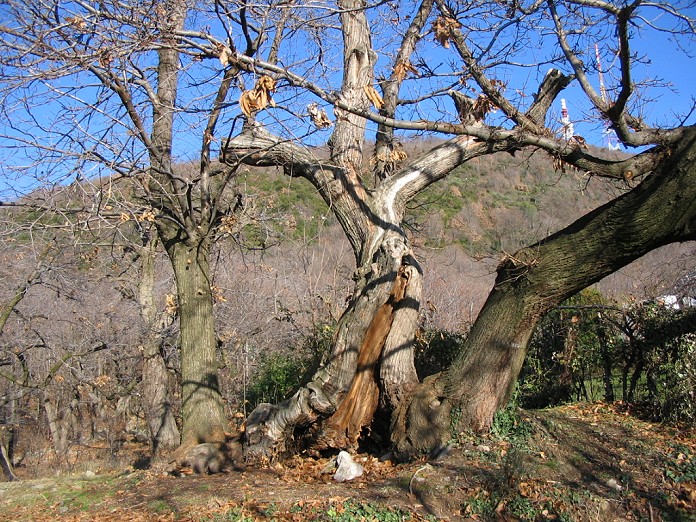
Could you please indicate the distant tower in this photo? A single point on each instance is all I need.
(609, 140)
(567, 130)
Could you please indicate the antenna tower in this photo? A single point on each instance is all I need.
(610, 140)
(567, 130)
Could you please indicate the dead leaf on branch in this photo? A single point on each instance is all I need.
(318, 116)
(393, 154)
(443, 27)
(77, 22)
(580, 141)
(373, 96)
(481, 107)
(171, 305)
(147, 215)
(402, 69)
(259, 97)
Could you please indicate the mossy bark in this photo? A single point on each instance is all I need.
(659, 211)
(203, 418)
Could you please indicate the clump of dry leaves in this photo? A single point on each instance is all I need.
(259, 97)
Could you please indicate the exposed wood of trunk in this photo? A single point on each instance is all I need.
(397, 372)
(164, 433)
(659, 211)
(380, 250)
(360, 402)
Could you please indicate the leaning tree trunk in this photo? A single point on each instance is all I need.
(164, 433)
(203, 418)
(659, 211)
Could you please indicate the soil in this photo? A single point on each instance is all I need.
(594, 462)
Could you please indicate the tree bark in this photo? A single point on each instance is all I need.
(202, 404)
(359, 404)
(660, 210)
(6, 436)
(164, 433)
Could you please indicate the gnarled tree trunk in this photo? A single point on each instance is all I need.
(659, 211)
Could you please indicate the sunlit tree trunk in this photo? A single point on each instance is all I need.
(202, 405)
(164, 433)
(184, 235)
(659, 211)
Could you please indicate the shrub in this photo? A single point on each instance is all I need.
(279, 375)
(435, 350)
(565, 351)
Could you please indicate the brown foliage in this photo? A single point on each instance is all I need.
(259, 97)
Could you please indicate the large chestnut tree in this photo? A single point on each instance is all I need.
(328, 92)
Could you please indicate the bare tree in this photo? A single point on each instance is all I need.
(371, 366)
(161, 71)
(129, 86)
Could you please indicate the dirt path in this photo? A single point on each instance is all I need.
(589, 462)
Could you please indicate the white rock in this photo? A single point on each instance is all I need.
(348, 469)
(612, 483)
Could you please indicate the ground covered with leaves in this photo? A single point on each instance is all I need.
(593, 462)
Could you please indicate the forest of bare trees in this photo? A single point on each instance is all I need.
(152, 267)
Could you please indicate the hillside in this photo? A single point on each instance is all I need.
(73, 347)
(586, 462)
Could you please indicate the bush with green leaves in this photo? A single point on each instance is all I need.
(568, 350)
(664, 377)
(590, 349)
(279, 375)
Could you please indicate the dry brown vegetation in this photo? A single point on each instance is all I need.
(585, 462)
(72, 348)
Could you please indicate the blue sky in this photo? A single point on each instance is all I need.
(666, 64)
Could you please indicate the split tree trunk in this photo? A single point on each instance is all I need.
(371, 220)
(348, 385)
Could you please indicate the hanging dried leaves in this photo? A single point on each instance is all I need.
(373, 96)
(171, 305)
(394, 154)
(77, 22)
(402, 69)
(481, 107)
(579, 141)
(318, 116)
(259, 97)
(443, 27)
(478, 109)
